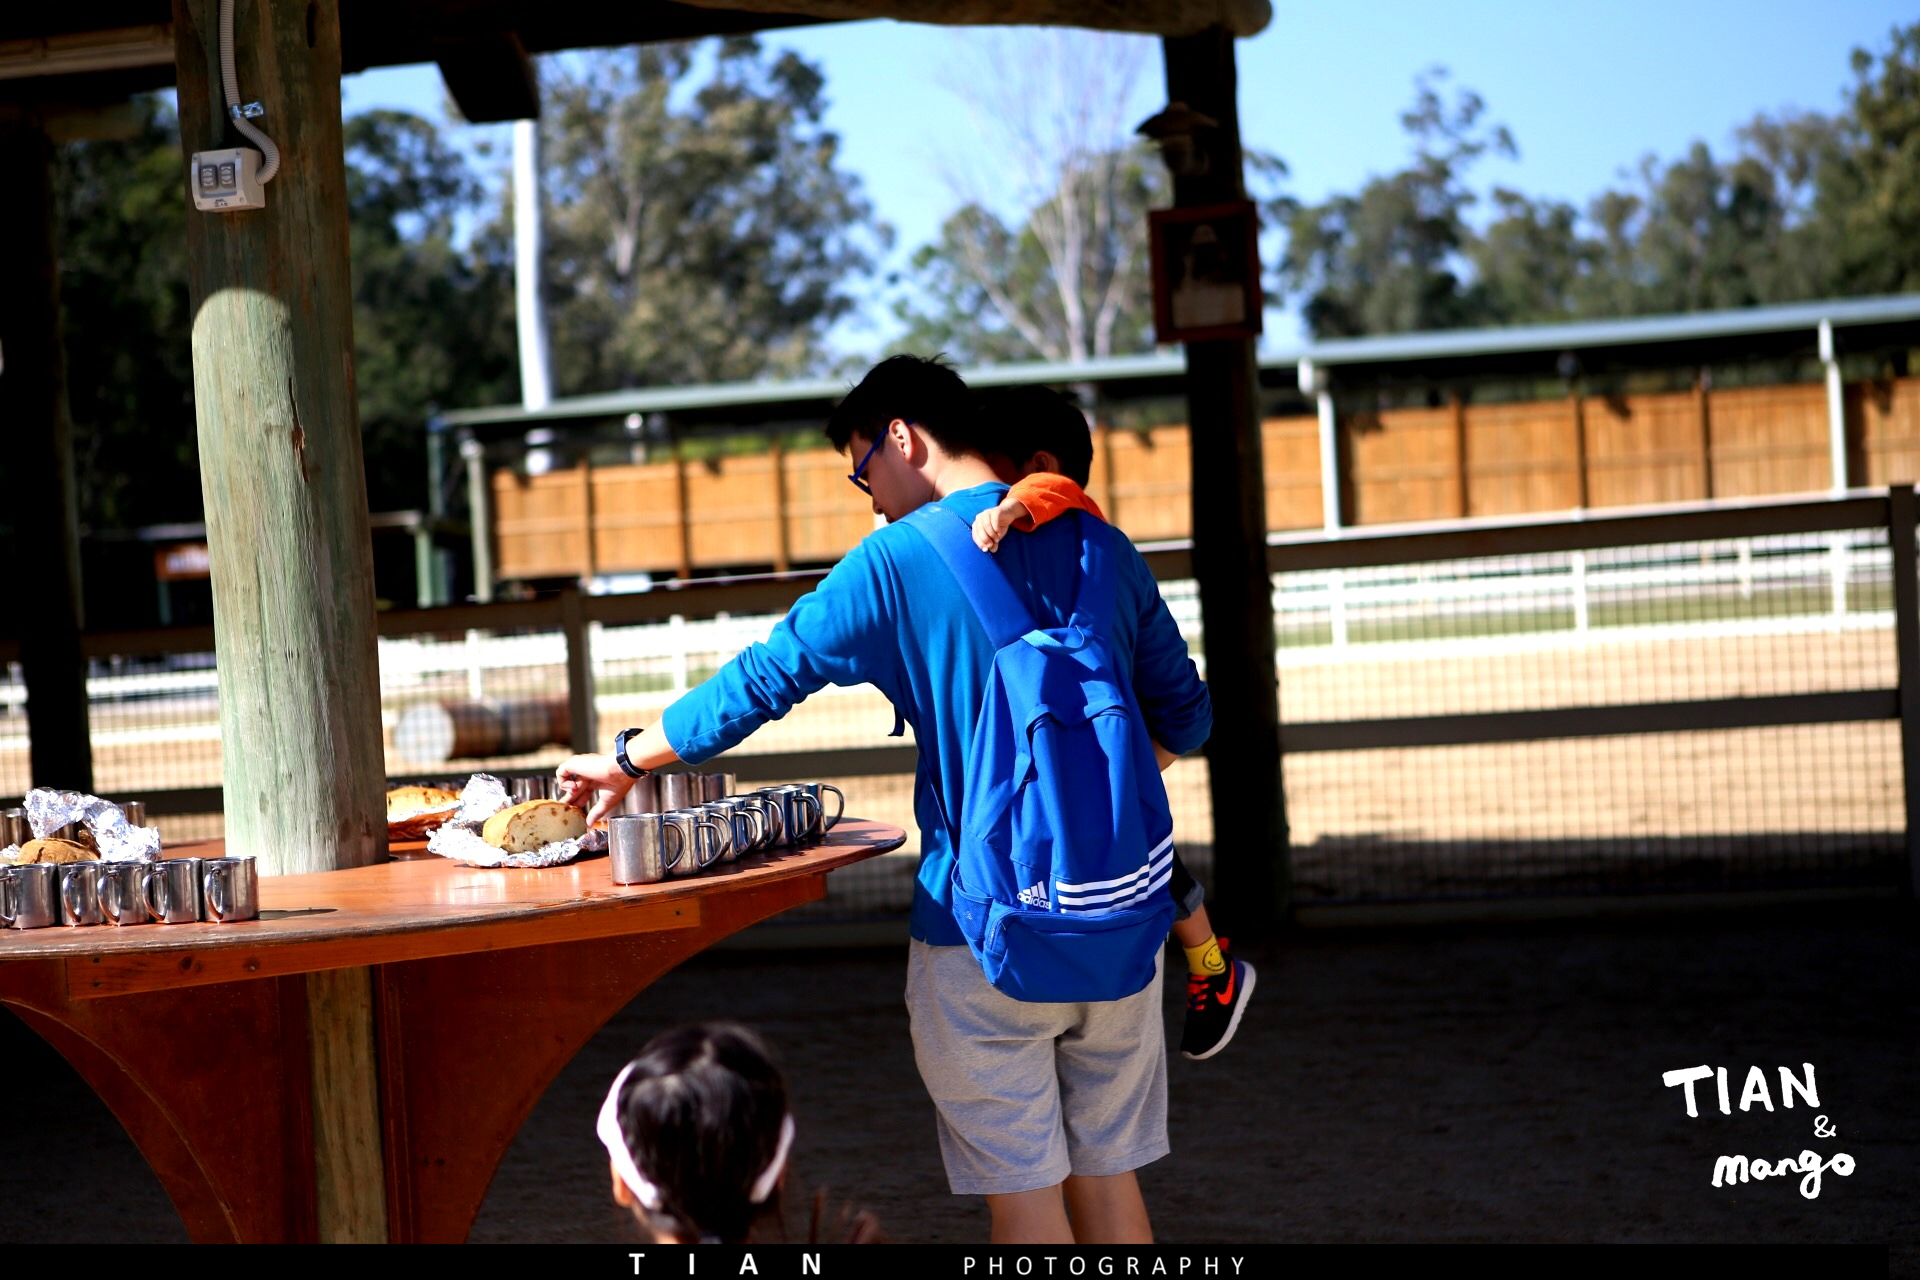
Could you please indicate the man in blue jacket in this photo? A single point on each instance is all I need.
(1043, 1108)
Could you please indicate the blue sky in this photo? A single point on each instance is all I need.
(1587, 90)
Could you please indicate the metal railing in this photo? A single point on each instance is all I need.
(1477, 590)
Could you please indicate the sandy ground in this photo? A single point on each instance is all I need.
(1466, 1084)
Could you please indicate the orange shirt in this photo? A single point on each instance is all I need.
(1046, 495)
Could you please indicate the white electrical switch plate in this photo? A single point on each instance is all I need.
(224, 181)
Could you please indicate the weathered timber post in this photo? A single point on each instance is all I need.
(280, 463)
(1252, 881)
(36, 438)
(287, 531)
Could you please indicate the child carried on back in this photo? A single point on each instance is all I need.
(1048, 458)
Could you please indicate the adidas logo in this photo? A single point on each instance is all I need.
(1036, 896)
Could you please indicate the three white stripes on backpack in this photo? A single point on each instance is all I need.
(1098, 897)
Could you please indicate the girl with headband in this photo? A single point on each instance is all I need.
(697, 1131)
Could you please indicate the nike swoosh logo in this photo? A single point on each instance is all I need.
(1233, 979)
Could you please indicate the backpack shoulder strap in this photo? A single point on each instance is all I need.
(994, 603)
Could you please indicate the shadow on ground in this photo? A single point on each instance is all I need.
(1459, 1084)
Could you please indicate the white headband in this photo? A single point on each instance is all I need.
(644, 1191)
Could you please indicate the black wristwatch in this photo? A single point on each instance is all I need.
(620, 754)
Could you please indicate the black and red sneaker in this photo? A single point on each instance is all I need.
(1215, 1002)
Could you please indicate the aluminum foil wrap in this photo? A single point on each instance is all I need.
(49, 810)
(484, 796)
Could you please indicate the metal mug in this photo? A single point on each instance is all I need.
(30, 896)
(717, 786)
(14, 828)
(814, 789)
(642, 797)
(80, 894)
(136, 811)
(739, 830)
(799, 813)
(122, 900)
(172, 890)
(637, 845)
(747, 809)
(525, 789)
(231, 889)
(699, 840)
(678, 791)
(772, 821)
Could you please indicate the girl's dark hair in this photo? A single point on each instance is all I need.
(700, 1112)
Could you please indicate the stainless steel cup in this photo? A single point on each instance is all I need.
(136, 811)
(678, 790)
(14, 828)
(80, 894)
(737, 830)
(525, 789)
(772, 817)
(717, 786)
(816, 790)
(643, 847)
(122, 900)
(750, 819)
(231, 889)
(643, 796)
(30, 896)
(699, 841)
(800, 813)
(172, 890)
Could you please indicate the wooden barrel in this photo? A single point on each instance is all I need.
(433, 732)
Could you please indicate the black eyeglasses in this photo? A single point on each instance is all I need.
(861, 470)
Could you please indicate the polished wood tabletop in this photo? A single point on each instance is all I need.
(413, 909)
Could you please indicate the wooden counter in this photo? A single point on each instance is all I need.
(217, 1045)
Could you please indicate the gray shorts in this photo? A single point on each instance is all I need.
(1029, 1093)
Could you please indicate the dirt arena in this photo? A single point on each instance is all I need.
(1473, 1083)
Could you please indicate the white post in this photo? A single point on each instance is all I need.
(536, 389)
(1837, 458)
(1314, 382)
(476, 681)
(480, 512)
(1580, 592)
(677, 629)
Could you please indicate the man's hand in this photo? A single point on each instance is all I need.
(582, 776)
(1164, 756)
(992, 524)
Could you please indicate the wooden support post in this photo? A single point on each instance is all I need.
(1252, 881)
(1460, 507)
(36, 439)
(280, 462)
(681, 509)
(1703, 404)
(1103, 470)
(587, 568)
(1579, 407)
(783, 536)
(1903, 514)
(580, 713)
(349, 1174)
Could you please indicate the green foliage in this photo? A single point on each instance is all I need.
(432, 322)
(120, 211)
(699, 227)
(985, 292)
(1804, 206)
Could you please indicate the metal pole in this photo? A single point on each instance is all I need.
(479, 511)
(536, 388)
(1903, 511)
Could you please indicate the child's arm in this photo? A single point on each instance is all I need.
(992, 524)
(1031, 502)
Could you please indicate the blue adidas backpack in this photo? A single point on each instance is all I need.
(1064, 845)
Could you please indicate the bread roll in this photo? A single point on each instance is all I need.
(51, 850)
(404, 819)
(534, 825)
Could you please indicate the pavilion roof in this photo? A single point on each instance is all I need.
(82, 52)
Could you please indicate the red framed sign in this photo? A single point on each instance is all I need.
(1206, 272)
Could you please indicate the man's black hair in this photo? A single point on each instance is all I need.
(926, 392)
(1023, 421)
